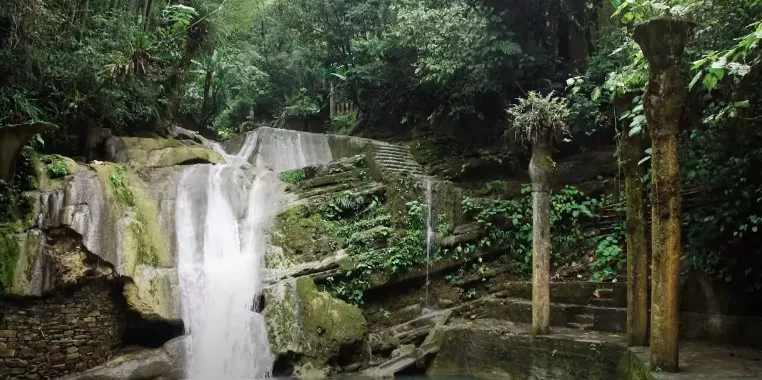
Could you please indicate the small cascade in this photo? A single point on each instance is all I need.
(282, 150)
(222, 217)
(430, 236)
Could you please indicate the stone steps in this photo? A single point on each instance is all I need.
(325, 190)
(396, 159)
(519, 310)
(364, 189)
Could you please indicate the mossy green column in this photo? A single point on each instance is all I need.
(635, 233)
(541, 169)
(663, 43)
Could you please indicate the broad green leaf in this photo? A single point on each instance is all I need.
(596, 94)
(699, 63)
(634, 131)
(637, 121)
(718, 72)
(710, 81)
(741, 104)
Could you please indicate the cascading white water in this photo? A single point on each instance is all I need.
(222, 218)
(430, 236)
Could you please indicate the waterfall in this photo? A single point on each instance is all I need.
(223, 213)
(221, 220)
(430, 236)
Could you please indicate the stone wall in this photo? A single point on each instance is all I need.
(62, 333)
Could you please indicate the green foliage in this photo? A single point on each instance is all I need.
(300, 106)
(118, 180)
(293, 176)
(403, 249)
(57, 169)
(14, 205)
(639, 11)
(343, 123)
(508, 224)
(535, 116)
(608, 255)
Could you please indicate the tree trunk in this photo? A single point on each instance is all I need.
(637, 250)
(177, 85)
(663, 43)
(147, 15)
(206, 105)
(541, 172)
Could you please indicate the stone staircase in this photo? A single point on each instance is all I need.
(602, 297)
(392, 158)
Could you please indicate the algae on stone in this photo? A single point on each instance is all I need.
(142, 245)
(302, 236)
(158, 152)
(310, 324)
(9, 256)
(142, 241)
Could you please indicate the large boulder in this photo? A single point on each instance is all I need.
(109, 209)
(141, 152)
(162, 363)
(310, 326)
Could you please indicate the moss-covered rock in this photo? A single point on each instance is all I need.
(141, 153)
(142, 247)
(9, 257)
(310, 325)
(303, 237)
(142, 241)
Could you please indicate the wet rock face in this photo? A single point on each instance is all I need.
(117, 222)
(59, 334)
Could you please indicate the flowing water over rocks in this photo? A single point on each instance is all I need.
(224, 214)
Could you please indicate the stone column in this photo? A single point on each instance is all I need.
(541, 171)
(663, 43)
(635, 233)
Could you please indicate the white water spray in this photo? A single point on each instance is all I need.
(221, 220)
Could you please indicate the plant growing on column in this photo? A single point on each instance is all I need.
(539, 121)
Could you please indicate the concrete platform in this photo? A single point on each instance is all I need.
(704, 361)
(698, 360)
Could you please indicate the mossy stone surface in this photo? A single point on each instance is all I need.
(9, 257)
(143, 248)
(303, 237)
(310, 324)
(494, 351)
(141, 153)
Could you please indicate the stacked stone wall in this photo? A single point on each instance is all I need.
(59, 334)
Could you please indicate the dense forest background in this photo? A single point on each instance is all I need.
(439, 72)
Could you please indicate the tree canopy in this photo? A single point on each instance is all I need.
(223, 66)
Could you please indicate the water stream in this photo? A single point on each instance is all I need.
(222, 215)
(430, 236)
